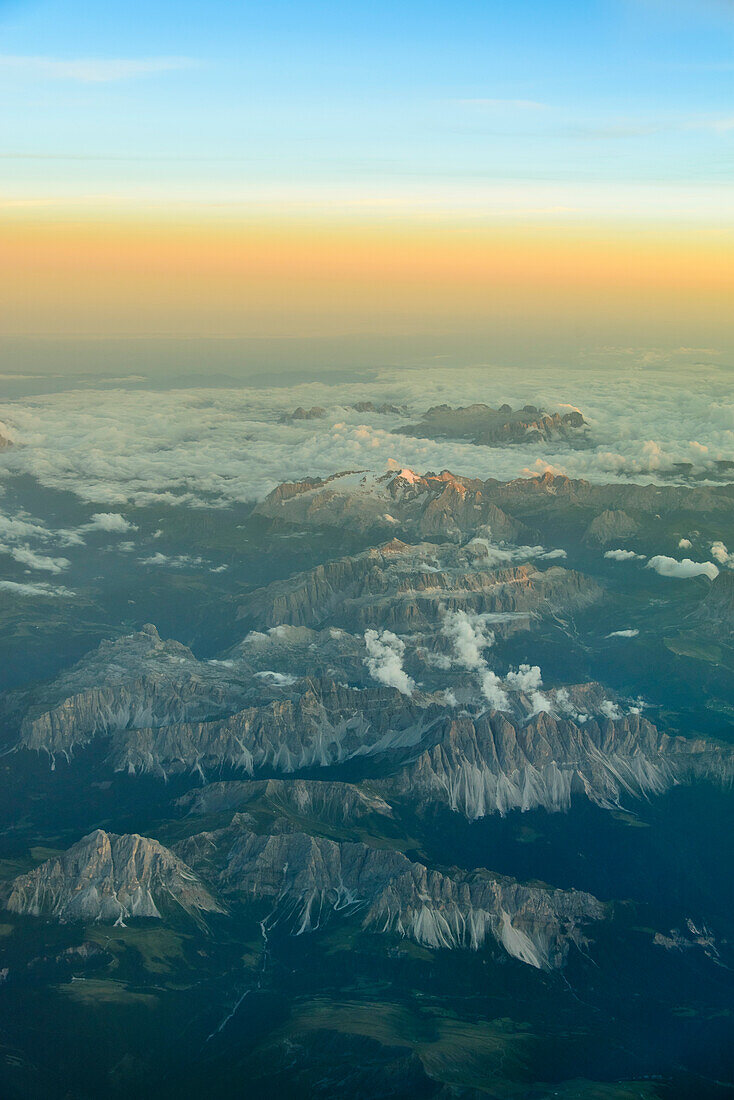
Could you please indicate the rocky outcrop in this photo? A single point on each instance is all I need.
(112, 878)
(333, 803)
(404, 587)
(307, 878)
(716, 611)
(434, 506)
(528, 497)
(486, 426)
(325, 725)
(610, 526)
(136, 680)
(451, 508)
(493, 764)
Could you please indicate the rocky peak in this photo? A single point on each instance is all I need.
(609, 526)
(106, 877)
(308, 878)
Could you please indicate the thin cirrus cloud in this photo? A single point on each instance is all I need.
(91, 70)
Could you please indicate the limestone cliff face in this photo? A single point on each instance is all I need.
(327, 724)
(400, 586)
(609, 526)
(137, 680)
(491, 764)
(526, 496)
(716, 611)
(430, 506)
(109, 878)
(452, 507)
(306, 878)
(333, 802)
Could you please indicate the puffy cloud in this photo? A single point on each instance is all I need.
(18, 588)
(504, 555)
(669, 567)
(527, 678)
(541, 703)
(278, 679)
(469, 637)
(632, 633)
(385, 660)
(493, 691)
(722, 554)
(610, 709)
(564, 704)
(172, 561)
(41, 562)
(685, 544)
(623, 555)
(110, 521)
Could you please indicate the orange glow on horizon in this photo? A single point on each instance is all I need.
(275, 278)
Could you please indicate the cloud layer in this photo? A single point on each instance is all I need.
(113, 447)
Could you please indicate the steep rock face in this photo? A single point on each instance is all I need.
(492, 764)
(337, 803)
(105, 877)
(308, 877)
(137, 680)
(435, 505)
(529, 496)
(482, 424)
(409, 587)
(716, 611)
(327, 724)
(610, 526)
(450, 508)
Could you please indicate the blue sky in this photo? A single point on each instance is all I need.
(438, 103)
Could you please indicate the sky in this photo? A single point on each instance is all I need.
(309, 169)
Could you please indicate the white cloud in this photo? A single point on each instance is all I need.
(18, 588)
(526, 678)
(685, 544)
(722, 554)
(623, 555)
(172, 561)
(469, 637)
(90, 70)
(541, 703)
(493, 691)
(385, 660)
(669, 567)
(116, 447)
(279, 679)
(110, 521)
(25, 556)
(504, 555)
(632, 633)
(610, 709)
